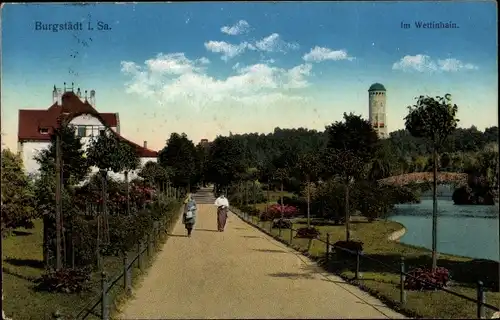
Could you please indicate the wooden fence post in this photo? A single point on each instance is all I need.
(139, 255)
(327, 256)
(126, 275)
(104, 297)
(402, 280)
(148, 239)
(356, 275)
(155, 234)
(480, 300)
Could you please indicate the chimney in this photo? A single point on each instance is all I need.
(145, 144)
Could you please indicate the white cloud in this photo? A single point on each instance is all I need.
(455, 65)
(177, 80)
(227, 50)
(424, 63)
(239, 28)
(318, 54)
(274, 43)
(204, 60)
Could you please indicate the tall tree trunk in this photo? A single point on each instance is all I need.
(58, 201)
(128, 192)
(267, 196)
(254, 195)
(282, 204)
(246, 193)
(347, 212)
(46, 241)
(308, 191)
(434, 210)
(105, 225)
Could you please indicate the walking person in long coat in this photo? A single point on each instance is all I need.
(222, 205)
(189, 216)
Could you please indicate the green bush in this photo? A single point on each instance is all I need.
(347, 249)
(254, 193)
(249, 209)
(307, 233)
(125, 231)
(65, 280)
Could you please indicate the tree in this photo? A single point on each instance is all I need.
(351, 146)
(75, 169)
(109, 153)
(202, 154)
(130, 161)
(348, 166)
(180, 155)
(355, 134)
(281, 174)
(433, 119)
(308, 167)
(154, 174)
(17, 193)
(226, 161)
(74, 164)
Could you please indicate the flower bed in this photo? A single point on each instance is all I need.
(275, 212)
(425, 279)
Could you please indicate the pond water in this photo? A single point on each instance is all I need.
(470, 231)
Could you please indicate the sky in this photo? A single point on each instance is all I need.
(209, 69)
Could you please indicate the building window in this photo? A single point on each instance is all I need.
(44, 131)
(102, 132)
(81, 131)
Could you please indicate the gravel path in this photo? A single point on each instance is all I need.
(242, 273)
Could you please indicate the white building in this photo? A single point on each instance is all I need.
(35, 127)
(377, 99)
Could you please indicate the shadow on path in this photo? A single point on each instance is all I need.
(208, 230)
(292, 275)
(271, 250)
(178, 235)
(33, 263)
(21, 233)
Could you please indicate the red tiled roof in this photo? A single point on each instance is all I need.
(31, 121)
(143, 152)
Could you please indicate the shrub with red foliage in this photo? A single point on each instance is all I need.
(308, 233)
(425, 279)
(274, 212)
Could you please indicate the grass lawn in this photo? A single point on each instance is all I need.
(23, 263)
(383, 281)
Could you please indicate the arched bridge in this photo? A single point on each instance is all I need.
(456, 178)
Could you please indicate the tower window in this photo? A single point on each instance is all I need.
(44, 131)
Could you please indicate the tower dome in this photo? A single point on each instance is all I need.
(377, 87)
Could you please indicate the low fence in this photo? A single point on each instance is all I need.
(480, 301)
(104, 299)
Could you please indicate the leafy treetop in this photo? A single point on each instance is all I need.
(433, 119)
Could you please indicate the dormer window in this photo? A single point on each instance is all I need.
(44, 131)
